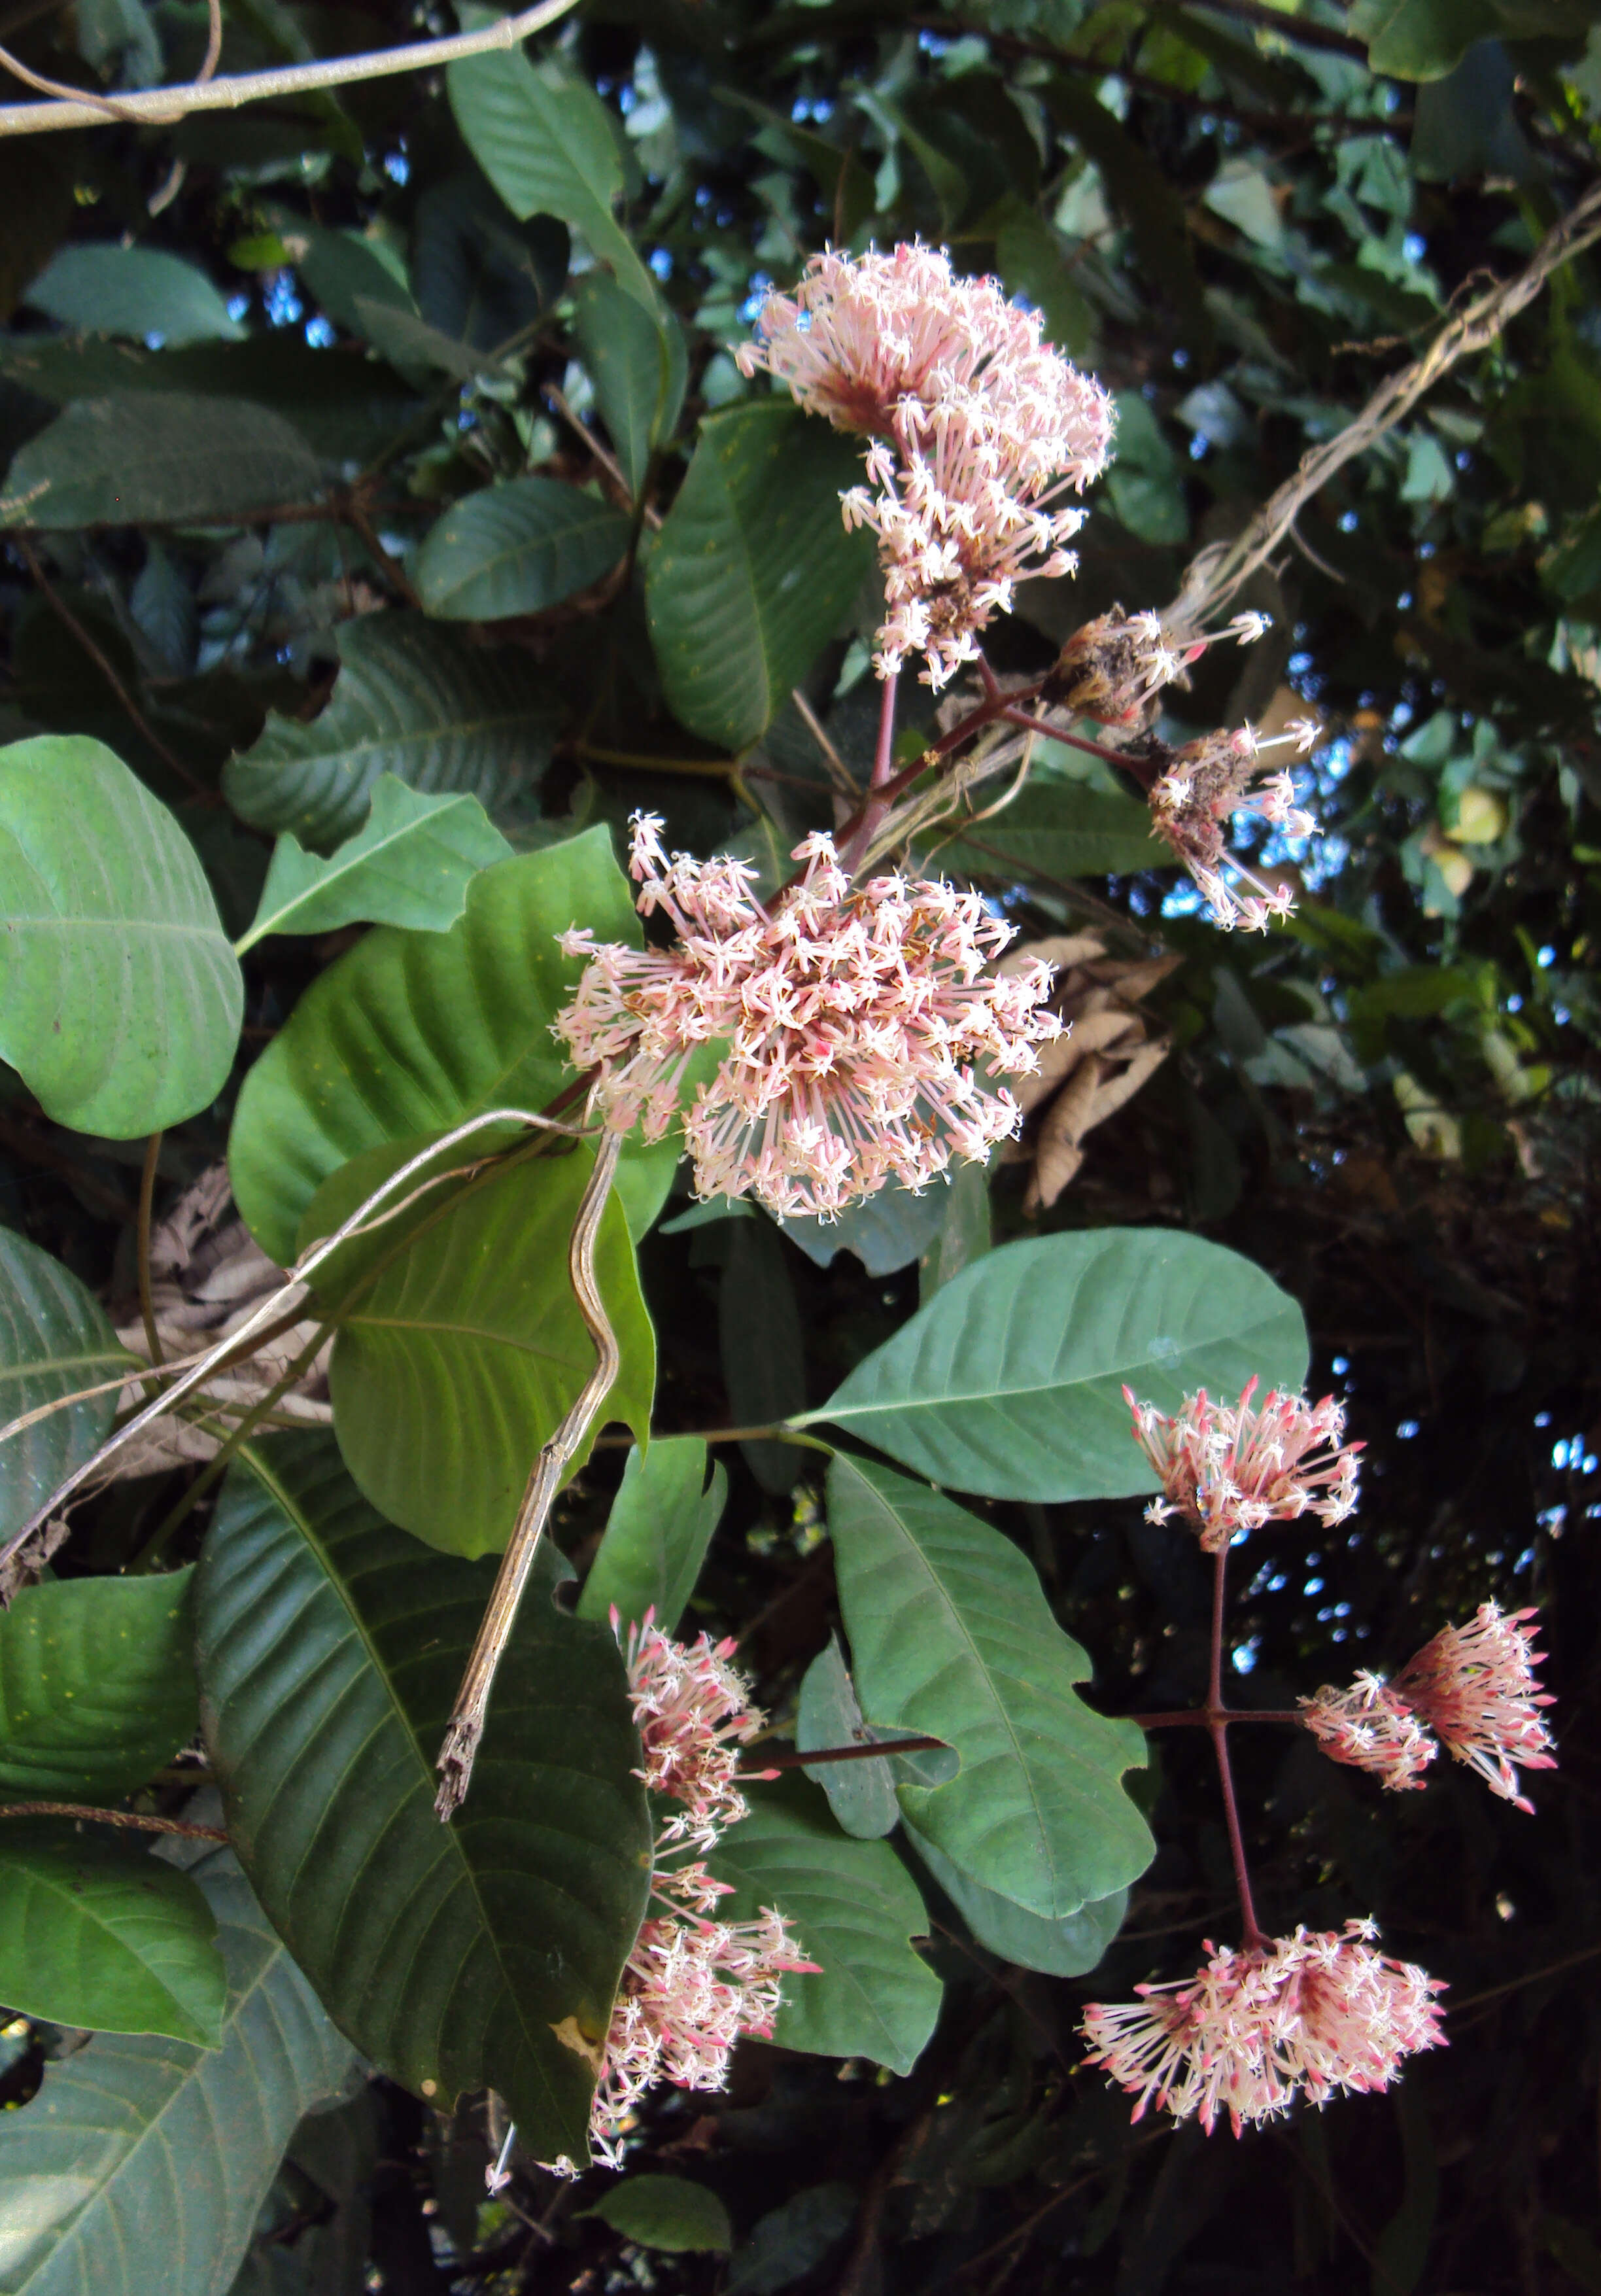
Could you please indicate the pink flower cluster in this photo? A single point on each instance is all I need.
(1228, 1469)
(979, 427)
(1113, 668)
(1315, 2014)
(1201, 788)
(1474, 1687)
(692, 1985)
(854, 1021)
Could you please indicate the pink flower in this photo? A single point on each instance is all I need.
(1201, 788)
(1226, 1470)
(1313, 2012)
(692, 1713)
(1373, 1728)
(855, 1019)
(981, 426)
(1476, 1687)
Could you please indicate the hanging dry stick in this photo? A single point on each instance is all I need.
(466, 1725)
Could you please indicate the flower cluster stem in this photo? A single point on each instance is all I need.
(1217, 1725)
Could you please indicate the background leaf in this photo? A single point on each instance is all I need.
(660, 1525)
(886, 1231)
(666, 2212)
(97, 1932)
(97, 1686)
(1010, 1382)
(1060, 829)
(862, 1795)
(753, 570)
(56, 1339)
(1067, 1948)
(106, 288)
(121, 999)
(130, 455)
(462, 1355)
(950, 1635)
(517, 547)
(411, 700)
(763, 1355)
(482, 1952)
(637, 361)
(854, 1907)
(144, 2161)
(410, 865)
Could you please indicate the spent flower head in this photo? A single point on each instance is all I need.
(855, 1020)
(979, 428)
(1113, 668)
(1476, 1688)
(1311, 2014)
(1227, 1468)
(1195, 797)
(1371, 1727)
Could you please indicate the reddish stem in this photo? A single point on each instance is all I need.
(804, 1761)
(872, 812)
(1202, 1717)
(882, 795)
(1217, 1725)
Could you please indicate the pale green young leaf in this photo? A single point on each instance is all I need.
(657, 1535)
(410, 865)
(55, 1340)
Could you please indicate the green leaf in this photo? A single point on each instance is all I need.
(792, 2239)
(1033, 260)
(121, 999)
(1422, 39)
(99, 1934)
(1067, 1948)
(410, 865)
(660, 1525)
(950, 1635)
(411, 700)
(136, 458)
(668, 2212)
(412, 1033)
(464, 1353)
(1059, 830)
(1145, 483)
(139, 292)
(545, 141)
(97, 1684)
(1010, 1381)
(517, 547)
(963, 1234)
(862, 1795)
(144, 2161)
(753, 570)
(1143, 197)
(56, 1339)
(482, 1953)
(763, 1346)
(886, 1231)
(638, 364)
(855, 1909)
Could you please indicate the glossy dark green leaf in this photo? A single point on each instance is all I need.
(55, 1340)
(1058, 829)
(791, 2239)
(753, 570)
(885, 1231)
(134, 456)
(963, 1234)
(461, 1356)
(412, 699)
(855, 1909)
(121, 998)
(97, 1686)
(143, 2160)
(637, 362)
(410, 865)
(660, 1525)
(96, 1932)
(517, 547)
(950, 1635)
(1069, 1946)
(762, 1347)
(666, 2212)
(1010, 1382)
(862, 1795)
(103, 288)
(482, 1953)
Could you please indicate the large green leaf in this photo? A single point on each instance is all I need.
(121, 999)
(485, 1952)
(1066, 1947)
(1424, 39)
(885, 1231)
(1010, 1381)
(412, 1033)
(56, 1339)
(637, 362)
(460, 1346)
(413, 699)
(660, 1525)
(666, 2212)
(106, 288)
(544, 139)
(136, 457)
(950, 1635)
(855, 1909)
(410, 865)
(862, 1795)
(96, 1684)
(99, 1934)
(753, 568)
(1058, 829)
(515, 548)
(141, 2163)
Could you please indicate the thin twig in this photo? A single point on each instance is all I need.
(881, 1753)
(160, 106)
(466, 1725)
(127, 1817)
(147, 1305)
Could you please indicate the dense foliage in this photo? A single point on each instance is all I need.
(388, 521)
